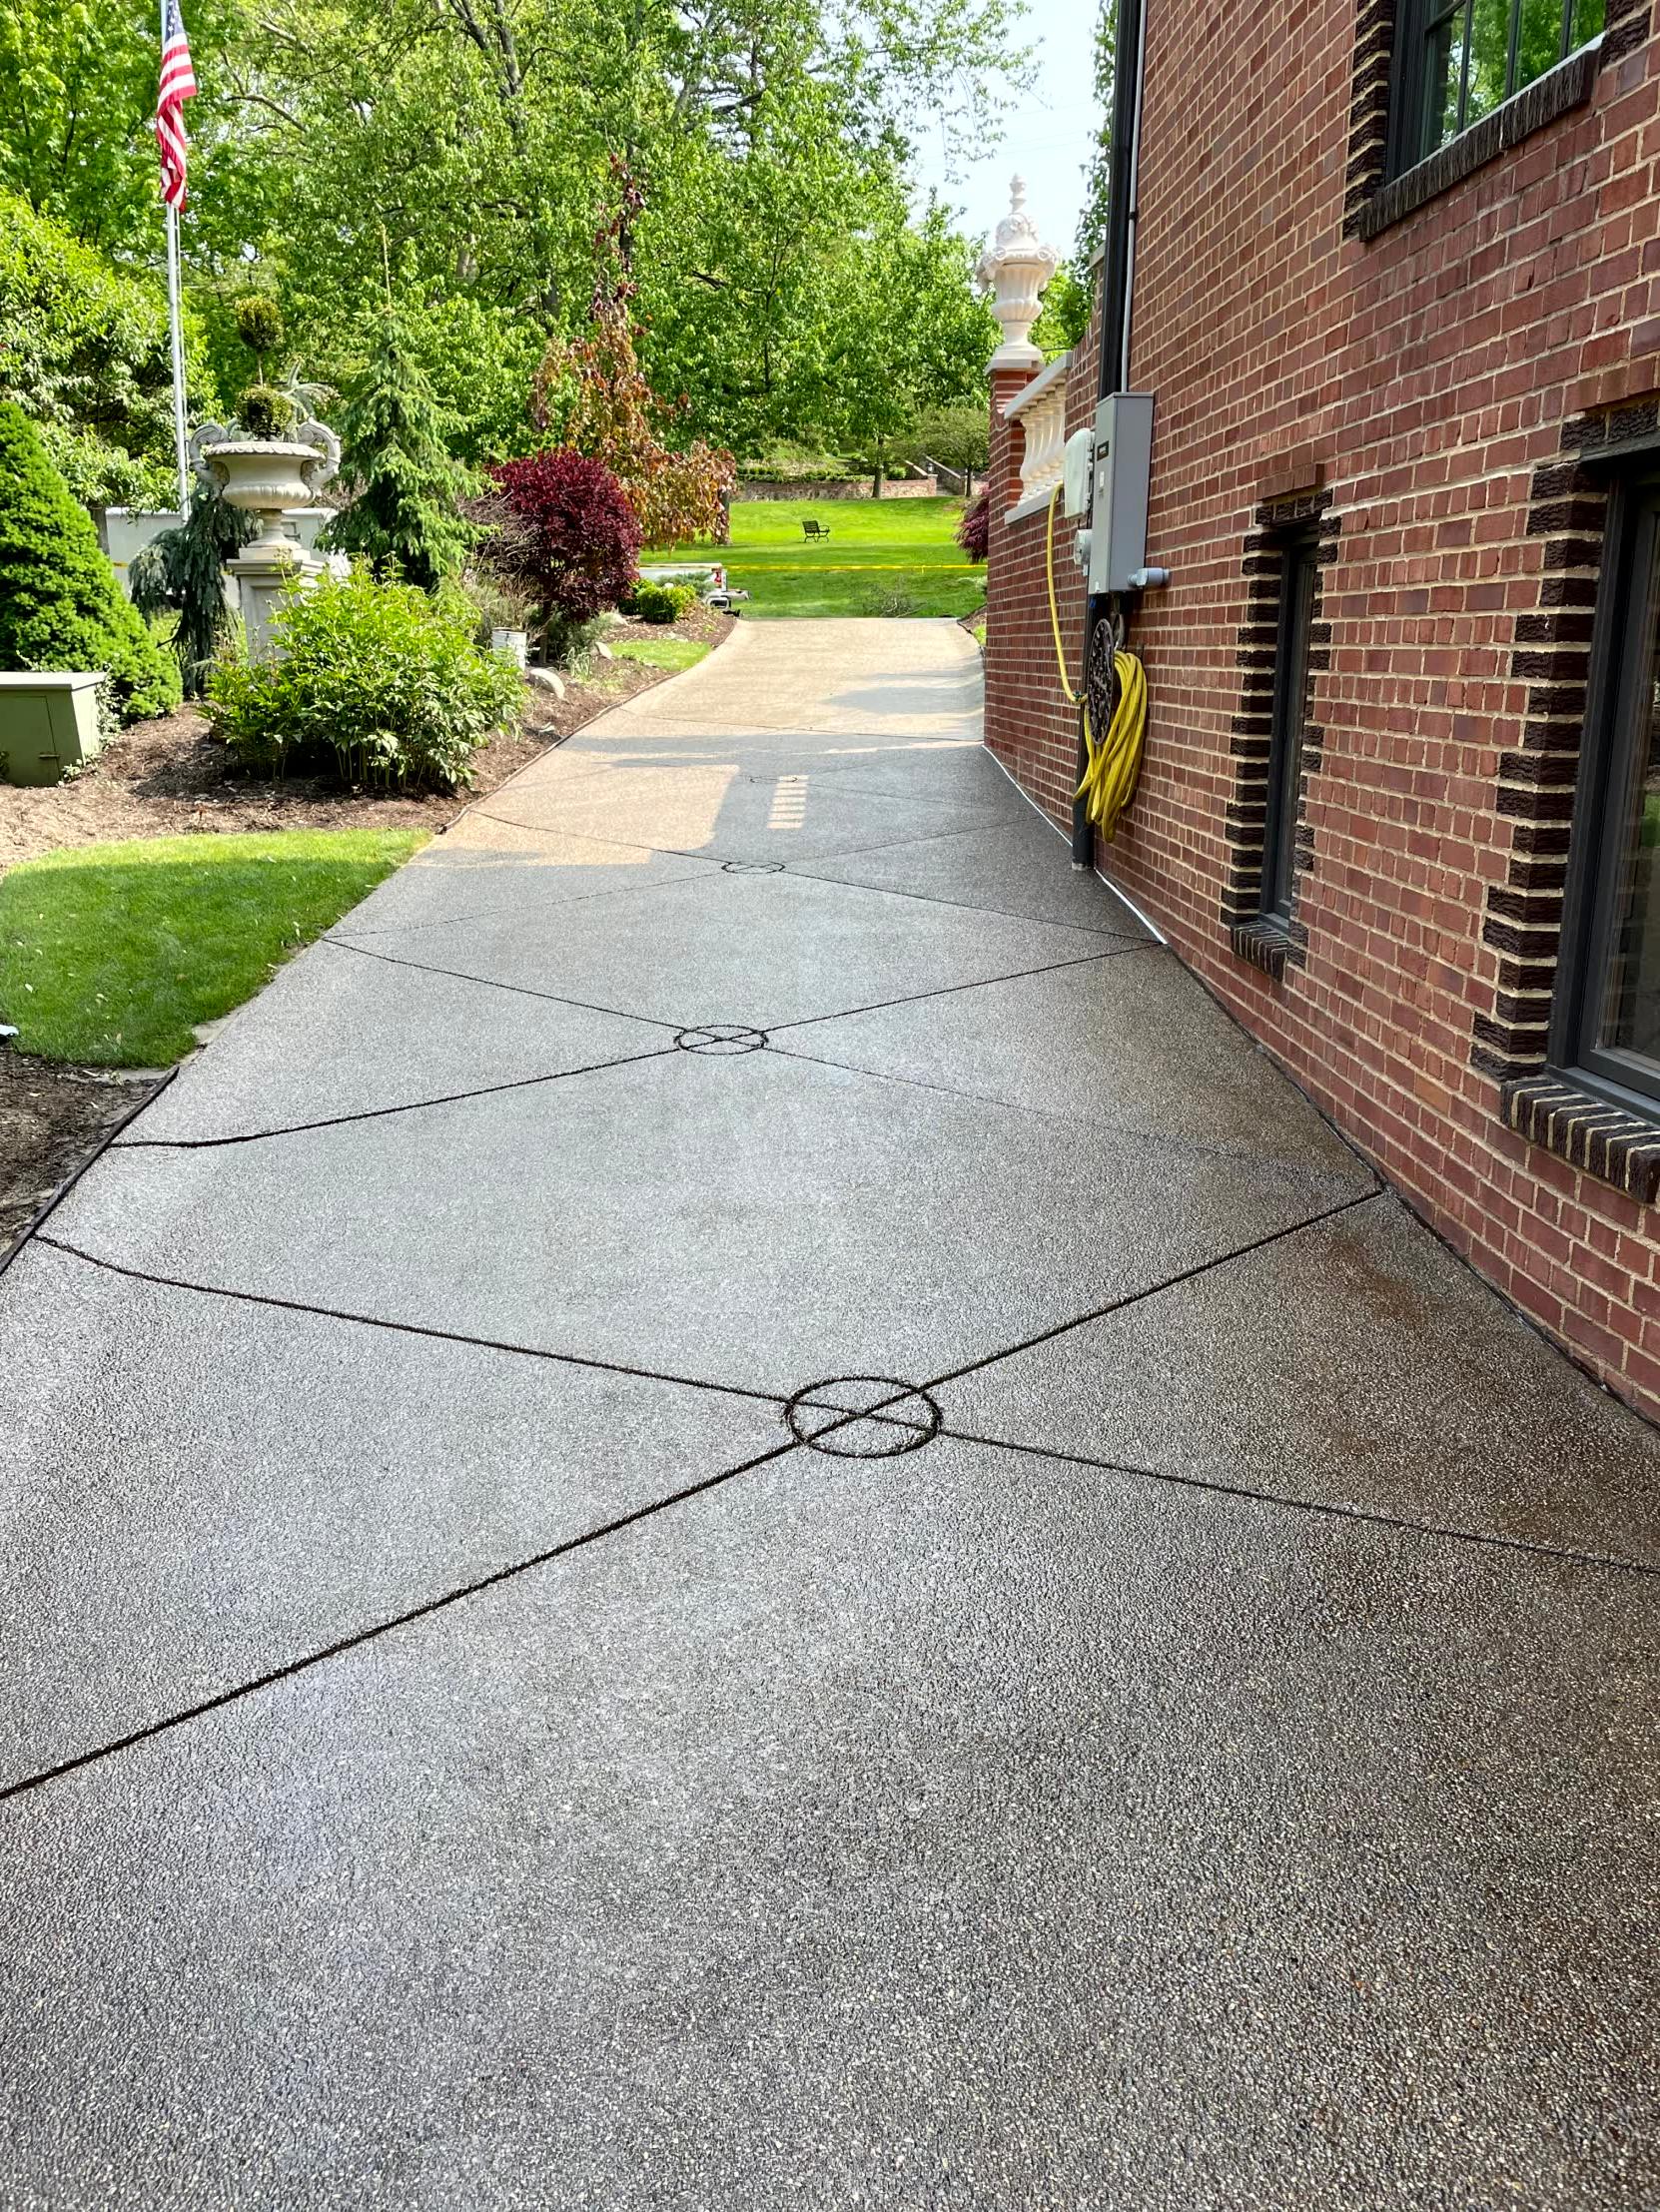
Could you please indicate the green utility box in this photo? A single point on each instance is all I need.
(48, 723)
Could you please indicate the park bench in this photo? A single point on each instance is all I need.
(811, 529)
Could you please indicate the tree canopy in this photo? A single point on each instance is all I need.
(84, 352)
(781, 281)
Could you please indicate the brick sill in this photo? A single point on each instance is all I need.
(1266, 942)
(1576, 1125)
(1545, 101)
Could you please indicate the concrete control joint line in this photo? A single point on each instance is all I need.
(382, 1114)
(597, 1066)
(1244, 1493)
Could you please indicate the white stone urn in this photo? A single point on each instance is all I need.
(1014, 269)
(269, 477)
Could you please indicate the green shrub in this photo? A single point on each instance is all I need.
(493, 605)
(60, 604)
(181, 572)
(379, 677)
(659, 602)
(568, 638)
(266, 410)
(259, 326)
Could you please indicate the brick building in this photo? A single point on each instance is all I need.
(1395, 283)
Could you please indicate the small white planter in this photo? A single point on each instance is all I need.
(515, 644)
(48, 723)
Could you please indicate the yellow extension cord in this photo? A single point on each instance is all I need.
(1114, 765)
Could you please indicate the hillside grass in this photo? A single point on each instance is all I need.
(885, 556)
(663, 652)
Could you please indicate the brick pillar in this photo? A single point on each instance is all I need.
(1006, 643)
(1008, 439)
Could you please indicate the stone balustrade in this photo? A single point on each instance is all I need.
(1040, 411)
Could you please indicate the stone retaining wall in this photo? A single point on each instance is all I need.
(902, 488)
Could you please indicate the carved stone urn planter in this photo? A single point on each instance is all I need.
(1014, 269)
(269, 477)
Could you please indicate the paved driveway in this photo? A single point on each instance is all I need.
(733, 1511)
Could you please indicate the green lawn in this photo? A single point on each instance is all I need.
(663, 652)
(882, 552)
(112, 954)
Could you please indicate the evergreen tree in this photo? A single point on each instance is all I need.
(406, 488)
(60, 604)
(183, 572)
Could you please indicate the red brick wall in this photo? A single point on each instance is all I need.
(1428, 373)
(1028, 721)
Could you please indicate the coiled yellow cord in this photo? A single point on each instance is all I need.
(1114, 765)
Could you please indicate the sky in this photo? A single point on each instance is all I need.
(1047, 134)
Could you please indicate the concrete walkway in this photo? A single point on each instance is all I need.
(733, 1511)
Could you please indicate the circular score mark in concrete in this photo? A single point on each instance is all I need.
(863, 1417)
(721, 1037)
(752, 867)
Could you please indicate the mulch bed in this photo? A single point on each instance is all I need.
(53, 1118)
(170, 778)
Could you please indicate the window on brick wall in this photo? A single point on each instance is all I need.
(1299, 557)
(1608, 1019)
(1285, 642)
(1457, 60)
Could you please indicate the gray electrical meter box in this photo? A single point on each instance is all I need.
(1118, 507)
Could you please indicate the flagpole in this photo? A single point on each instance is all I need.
(180, 443)
(181, 440)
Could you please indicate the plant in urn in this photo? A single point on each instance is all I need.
(270, 462)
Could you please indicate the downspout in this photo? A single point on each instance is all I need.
(1118, 275)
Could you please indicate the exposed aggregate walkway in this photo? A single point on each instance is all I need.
(732, 1510)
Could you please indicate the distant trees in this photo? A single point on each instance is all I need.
(907, 335)
(467, 148)
(1092, 224)
(958, 437)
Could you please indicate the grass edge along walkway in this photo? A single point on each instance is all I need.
(111, 955)
(884, 557)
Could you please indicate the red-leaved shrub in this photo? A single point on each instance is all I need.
(974, 529)
(561, 525)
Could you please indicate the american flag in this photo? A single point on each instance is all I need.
(176, 86)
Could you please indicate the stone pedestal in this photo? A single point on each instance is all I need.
(263, 574)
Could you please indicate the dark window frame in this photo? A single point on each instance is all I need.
(1271, 935)
(1299, 549)
(1378, 193)
(1523, 1034)
(1408, 141)
(1622, 655)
